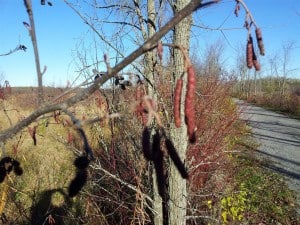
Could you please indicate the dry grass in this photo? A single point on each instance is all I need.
(43, 188)
(47, 166)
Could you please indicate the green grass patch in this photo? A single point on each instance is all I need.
(268, 198)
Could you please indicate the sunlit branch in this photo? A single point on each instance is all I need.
(147, 46)
(18, 48)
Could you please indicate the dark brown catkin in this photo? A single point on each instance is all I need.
(176, 159)
(256, 65)
(158, 163)
(254, 60)
(249, 52)
(146, 144)
(260, 42)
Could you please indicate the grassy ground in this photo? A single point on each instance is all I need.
(268, 199)
(47, 168)
(251, 195)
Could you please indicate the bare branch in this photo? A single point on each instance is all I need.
(113, 6)
(28, 6)
(122, 23)
(93, 28)
(216, 28)
(248, 13)
(130, 186)
(147, 46)
(19, 47)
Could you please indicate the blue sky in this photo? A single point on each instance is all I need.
(278, 19)
(59, 31)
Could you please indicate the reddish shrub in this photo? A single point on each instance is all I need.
(215, 117)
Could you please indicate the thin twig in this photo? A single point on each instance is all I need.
(248, 13)
(115, 177)
(18, 48)
(147, 46)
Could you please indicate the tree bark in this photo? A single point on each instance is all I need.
(177, 185)
(149, 64)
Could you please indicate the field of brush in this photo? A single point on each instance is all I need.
(226, 185)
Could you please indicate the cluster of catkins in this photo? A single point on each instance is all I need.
(250, 53)
(189, 110)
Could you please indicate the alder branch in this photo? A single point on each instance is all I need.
(113, 6)
(216, 28)
(147, 46)
(10, 132)
(121, 23)
(19, 47)
(248, 13)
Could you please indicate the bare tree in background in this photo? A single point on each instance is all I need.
(212, 59)
(242, 72)
(31, 29)
(287, 49)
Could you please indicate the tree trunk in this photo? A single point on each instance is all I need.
(158, 217)
(150, 56)
(177, 185)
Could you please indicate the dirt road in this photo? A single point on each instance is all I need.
(279, 139)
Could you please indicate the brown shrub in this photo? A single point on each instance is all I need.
(215, 117)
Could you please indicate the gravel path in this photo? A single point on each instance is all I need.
(279, 139)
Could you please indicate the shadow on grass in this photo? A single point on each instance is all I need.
(268, 162)
(270, 199)
(45, 212)
(7, 165)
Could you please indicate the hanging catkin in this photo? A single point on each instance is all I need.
(249, 52)
(189, 104)
(254, 60)
(260, 41)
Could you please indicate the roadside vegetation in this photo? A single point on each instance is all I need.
(272, 93)
(263, 195)
(227, 185)
(277, 88)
